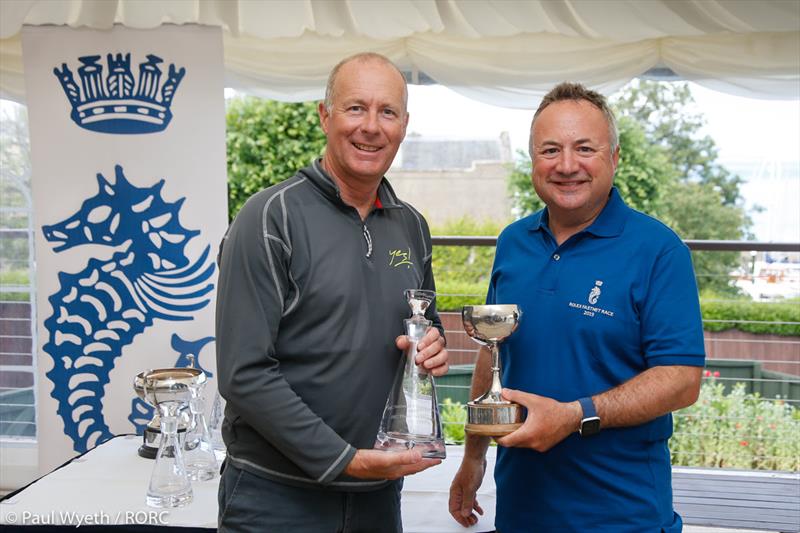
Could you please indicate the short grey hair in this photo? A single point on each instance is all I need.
(363, 57)
(576, 92)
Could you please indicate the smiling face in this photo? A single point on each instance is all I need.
(573, 165)
(366, 122)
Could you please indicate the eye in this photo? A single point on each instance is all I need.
(355, 108)
(390, 112)
(586, 149)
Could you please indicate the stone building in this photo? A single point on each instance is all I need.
(449, 179)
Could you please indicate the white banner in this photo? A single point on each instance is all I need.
(127, 133)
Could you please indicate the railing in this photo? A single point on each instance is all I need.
(767, 367)
(748, 415)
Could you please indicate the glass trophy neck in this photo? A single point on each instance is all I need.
(419, 300)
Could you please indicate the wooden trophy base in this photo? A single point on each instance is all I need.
(491, 430)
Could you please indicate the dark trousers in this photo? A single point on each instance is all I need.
(250, 503)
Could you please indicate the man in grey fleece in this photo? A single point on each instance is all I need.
(309, 315)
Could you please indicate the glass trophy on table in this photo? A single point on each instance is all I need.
(411, 415)
(169, 390)
(201, 462)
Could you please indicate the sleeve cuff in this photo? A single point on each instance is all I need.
(338, 465)
(676, 360)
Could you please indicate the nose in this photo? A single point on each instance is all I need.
(369, 124)
(567, 162)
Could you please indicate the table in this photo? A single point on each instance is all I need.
(106, 487)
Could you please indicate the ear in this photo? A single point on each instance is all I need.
(405, 124)
(324, 116)
(615, 158)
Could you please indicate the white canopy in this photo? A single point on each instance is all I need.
(502, 52)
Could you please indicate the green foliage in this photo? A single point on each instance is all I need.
(268, 142)
(454, 416)
(736, 430)
(772, 314)
(462, 272)
(520, 188)
(697, 211)
(452, 295)
(14, 277)
(670, 119)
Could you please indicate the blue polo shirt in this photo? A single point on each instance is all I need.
(612, 301)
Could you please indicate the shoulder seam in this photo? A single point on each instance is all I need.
(267, 236)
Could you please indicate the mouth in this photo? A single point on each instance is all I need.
(569, 184)
(366, 147)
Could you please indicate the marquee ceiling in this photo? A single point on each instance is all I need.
(502, 52)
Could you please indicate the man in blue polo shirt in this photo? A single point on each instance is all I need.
(610, 343)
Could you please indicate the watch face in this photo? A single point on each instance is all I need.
(590, 426)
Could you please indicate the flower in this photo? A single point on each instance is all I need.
(743, 443)
(707, 373)
(716, 373)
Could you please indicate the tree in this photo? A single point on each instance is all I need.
(705, 202)
(268, 142)
(668, 115)
(15, 187)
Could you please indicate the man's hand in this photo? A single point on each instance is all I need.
(431, 353)
(548, 421)
(377, 464)
(463, 490)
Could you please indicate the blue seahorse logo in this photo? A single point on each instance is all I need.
(100, 309)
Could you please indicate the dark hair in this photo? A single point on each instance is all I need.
(576, 92)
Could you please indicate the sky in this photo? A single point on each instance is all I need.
(758, 139)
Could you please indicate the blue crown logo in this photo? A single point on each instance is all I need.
(110, 104)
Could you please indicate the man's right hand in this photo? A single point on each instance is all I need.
(377, 464)
(463, 490)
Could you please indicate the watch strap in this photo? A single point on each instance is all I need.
(588, 408)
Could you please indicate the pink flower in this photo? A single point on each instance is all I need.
(743, 443)
(707, 373)
(716, 373)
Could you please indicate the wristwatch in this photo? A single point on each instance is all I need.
(590, 423)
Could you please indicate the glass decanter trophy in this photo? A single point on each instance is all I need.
(151, 437)
(489, 414)
(201, 463)
(411, 416)
(169, 390)
(215, 421)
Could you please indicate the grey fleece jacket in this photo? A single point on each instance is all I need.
(310, 301)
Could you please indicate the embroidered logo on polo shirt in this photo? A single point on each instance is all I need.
(594, 294)
(399, 257)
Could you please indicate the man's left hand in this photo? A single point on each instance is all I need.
(431, 353)
(548, 421)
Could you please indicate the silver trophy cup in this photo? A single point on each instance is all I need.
(489, 414)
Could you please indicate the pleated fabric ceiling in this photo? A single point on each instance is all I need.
(502, 52)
